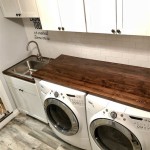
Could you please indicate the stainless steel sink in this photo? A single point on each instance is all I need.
(28, 66)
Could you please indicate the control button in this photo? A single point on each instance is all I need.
(113, 115)
(121, 115)
(124, 119)
(56, 94)
(106, 110)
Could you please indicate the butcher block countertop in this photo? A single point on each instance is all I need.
(121, 83)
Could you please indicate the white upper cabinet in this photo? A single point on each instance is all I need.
(49, 14)
(10, 8)
(64, 15)
(131, 17)
(19, 8)
(72, 15)
(28, 8)
(135, 17)
(100, 15)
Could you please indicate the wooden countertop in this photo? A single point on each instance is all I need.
(121, 83)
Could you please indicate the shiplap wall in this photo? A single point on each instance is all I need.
(124, 49)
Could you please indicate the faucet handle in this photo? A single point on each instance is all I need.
(39, 57)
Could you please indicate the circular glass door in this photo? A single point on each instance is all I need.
(110, 135)
(61, 117)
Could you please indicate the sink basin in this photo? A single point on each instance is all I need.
(26, 67)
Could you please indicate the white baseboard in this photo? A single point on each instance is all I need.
(9, 118)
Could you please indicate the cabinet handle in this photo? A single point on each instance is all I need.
(21, 90)
(113, 31)
(118, 31)
(59, 28)
(63, 28)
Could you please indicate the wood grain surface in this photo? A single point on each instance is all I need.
(121, 83)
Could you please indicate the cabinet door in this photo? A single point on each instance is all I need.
(72, 15)
(10, 8)
(100, 15)
(49, 14)
(35, 106)
(19, 99)
(28, 8)
(135, 17)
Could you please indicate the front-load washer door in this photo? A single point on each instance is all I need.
(61, 117)
(110, 135)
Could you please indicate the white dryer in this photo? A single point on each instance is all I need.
(65, 109)
(113, 126)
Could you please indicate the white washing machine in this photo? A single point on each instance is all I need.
(113, 126)
(65, 109)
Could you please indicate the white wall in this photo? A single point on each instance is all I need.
(13, 42)
(132, 50)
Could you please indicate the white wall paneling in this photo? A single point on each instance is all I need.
(13, 42)
(132, 50)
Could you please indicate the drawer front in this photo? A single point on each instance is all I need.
(21, 84)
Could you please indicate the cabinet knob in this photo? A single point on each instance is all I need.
(16, 14)
(113, 31)
(59, 28)
(63, 28)
(19, 14)
(118, 31)
(21, 90)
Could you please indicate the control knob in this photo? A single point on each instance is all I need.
(113, 115)
(56, 94)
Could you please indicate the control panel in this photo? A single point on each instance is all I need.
(74, 99)
(77, 100)
(138, 122)
(142, 124)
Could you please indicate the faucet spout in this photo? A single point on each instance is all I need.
(39, 56)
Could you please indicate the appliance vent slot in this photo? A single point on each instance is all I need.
(135, 118)
(70, 95)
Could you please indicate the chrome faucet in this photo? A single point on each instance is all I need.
(39, 56)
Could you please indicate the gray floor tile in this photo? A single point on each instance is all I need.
(27, 133)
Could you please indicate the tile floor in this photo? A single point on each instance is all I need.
(27, 133)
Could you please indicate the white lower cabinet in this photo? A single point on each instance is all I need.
(26, 97)
(20, 103)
